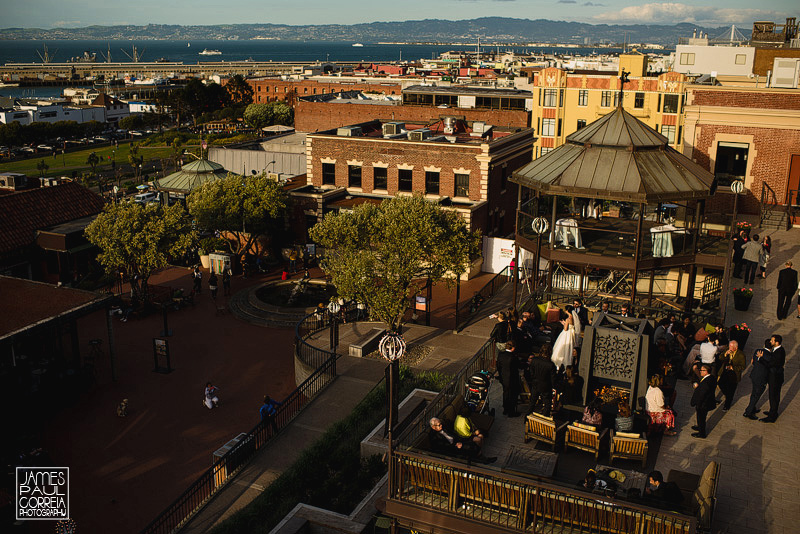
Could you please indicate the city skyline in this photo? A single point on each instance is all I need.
(74, 13)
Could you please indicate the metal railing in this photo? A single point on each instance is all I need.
(202, 489)
(768, 202)
(469, 308)
(494, 499)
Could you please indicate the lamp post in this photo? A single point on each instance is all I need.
(737, 187)
(539, 226)
(392, 347)
(333, 308)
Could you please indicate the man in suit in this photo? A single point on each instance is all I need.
(583, 313)
(738, 253)
(508, 373)
(759, 375)
(542, 378)
(787, 285)
(703, 400)
(775, 363)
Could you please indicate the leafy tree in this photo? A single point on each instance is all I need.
(247, 207)
(140, 239)
(132, 122)
(239, 91)
(382, 255)
(258, 115)
(177, 151)
(282, 114)
(42, 166)
(92, 161)
(135, 159)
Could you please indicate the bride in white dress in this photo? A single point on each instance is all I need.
(562, 350)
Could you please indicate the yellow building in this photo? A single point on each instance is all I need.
(565, 101)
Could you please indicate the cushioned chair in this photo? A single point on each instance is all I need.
(542, 428)
(628, 446)
(585, 437)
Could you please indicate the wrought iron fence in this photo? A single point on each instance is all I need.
(202, 489)
(491, 498)
(469, 308)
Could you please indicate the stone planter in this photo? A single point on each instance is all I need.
(741, 302)
(205, 261)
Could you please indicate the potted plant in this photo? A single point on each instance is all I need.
(742, 297)
(207, 246)
(740, 333)
(744, 225)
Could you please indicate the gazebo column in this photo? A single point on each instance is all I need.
(552, 243)
(690, 288)
(637, 253)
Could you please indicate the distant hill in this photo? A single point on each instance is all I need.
(488, 29)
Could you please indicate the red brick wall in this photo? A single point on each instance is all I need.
(319, 116)
(264, 89)
(773, 149)
(747, 99)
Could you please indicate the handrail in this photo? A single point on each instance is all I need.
(201, 490)
(768, 202)
(469, 308)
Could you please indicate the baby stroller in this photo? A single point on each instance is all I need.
(477, 392)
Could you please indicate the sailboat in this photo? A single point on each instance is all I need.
(188, 45)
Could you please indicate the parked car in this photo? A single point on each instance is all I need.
(45, 148)
(147, 198)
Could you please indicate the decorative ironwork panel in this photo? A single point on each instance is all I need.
(616, 355)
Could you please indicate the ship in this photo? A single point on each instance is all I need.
(87, 57)
(358, 44)
(207, 52)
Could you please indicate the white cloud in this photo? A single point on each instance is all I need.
(673, 13)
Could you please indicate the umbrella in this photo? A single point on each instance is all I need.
(141, 187)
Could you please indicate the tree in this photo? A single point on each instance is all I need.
(239, 91)
(247, 207)
(140, 240)
(42, 166)
(135, 159)
(258, 115)
(282, 114)
(383, 255)
(92, 161)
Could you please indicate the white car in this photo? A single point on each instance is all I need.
(147, 198)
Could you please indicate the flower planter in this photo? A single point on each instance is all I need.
(741, 302)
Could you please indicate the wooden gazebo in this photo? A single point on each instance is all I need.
(616, 159)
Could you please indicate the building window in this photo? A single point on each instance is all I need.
(670, 104)
(379, 177)
(583, 97)
(328, 174)
(561, 98)
(581, 123)
(354, 176)
(731, 162)
(741, 59)
(638, 100)
(545, 150)
(548, 127)
(431, 183)
(669, 133)
(314, 90)
(558, 133)
(462, 185)
(405, 181)
(550, 98)
(687, 59)
(605, 99)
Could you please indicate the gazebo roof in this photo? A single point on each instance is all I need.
(617, 157)
(191, 176)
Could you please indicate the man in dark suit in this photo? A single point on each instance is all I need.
(738, 253)
(583, 313)
(775, 363)
(508, 373)
(703, 399)
(542, 379)
(787, 285)
(759, 375)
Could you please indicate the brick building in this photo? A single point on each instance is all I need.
(749, 134)
(272, 89)
(462, 165)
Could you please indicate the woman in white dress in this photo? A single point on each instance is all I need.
(562, 349)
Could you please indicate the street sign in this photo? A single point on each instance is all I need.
(737, 187)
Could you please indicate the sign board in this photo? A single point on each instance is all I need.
(420, 303)
(161, 359)
(498, 253)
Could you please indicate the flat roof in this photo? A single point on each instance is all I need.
(474, 91)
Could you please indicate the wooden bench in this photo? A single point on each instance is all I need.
(542, 428)
(584, 439)
(368, 343)
(700, 491)
(628, 448)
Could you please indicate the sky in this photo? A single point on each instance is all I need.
(77, 13)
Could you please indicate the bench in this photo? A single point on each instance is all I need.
(700, 491)
(482, 422)
(368, 343)
(584, 439)
(542, 428)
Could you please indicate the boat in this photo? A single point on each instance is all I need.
(358, 44)
(188, 45)
(207, 52)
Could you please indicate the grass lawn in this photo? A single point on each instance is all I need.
(64, 165)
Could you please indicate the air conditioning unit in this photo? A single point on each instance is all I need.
(785, 72)
(393, 128)
(478, 126)
(349, 131)
(419, 135)
(274, 176)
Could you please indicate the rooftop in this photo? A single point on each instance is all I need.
(444, 130)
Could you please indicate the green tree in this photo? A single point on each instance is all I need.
(247, 207)
(383, 255)
(135, 159)
(240, 93)
(140, 240)
(42, 166)
(258, 115)
(177, 151)
(282, 114)
(92, 161)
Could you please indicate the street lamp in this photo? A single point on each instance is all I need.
(737, 187)
(392, 347)
(539, 226)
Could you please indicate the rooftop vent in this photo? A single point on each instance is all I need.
(419, 135)
(393, 128)
(449, 125)
(349, 131)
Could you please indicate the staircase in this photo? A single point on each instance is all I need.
(774, 216)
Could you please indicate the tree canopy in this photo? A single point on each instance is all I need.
(261, 115)
(382, 255)
(140, 239)
(239, 91)
(247, 207)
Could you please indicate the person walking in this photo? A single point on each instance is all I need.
(732, 363)
(751, 254)
(787, 285)
(197, 276)
(738, 242)
(759, 374)
(226, 282)
(775, 363)
(508, 374)
(268, 411)
(766, 249)
(703, 400)
(212, 285)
